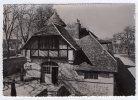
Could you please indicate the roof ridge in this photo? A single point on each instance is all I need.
(56, 19)
(63, 36)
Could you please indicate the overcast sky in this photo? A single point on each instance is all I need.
(102, 19)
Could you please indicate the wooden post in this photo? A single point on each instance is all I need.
(67, 51)
(22, 74)
(13, 89)
(42, 77)
(38, 45)
(48, 53)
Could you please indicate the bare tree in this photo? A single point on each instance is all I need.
(32, 18)
(43, 13)
(127, 38)
(25, 21)
(9, 23)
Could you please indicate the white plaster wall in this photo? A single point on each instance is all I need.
(38, 61)
(101, 86)
(70, 56)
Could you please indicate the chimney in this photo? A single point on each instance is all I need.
(77, 30)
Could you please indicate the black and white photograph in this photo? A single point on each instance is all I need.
(69, 50)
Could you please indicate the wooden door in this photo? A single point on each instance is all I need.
(55, 75)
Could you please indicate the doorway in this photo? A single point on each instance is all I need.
(49, 72)
(55, 75)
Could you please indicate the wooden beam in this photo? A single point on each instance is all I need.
(48, 53)
(58, 52)
(30, 51)
(67, 51)
(38, 45)
(50, 49)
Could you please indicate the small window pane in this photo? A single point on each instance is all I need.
(63, 46)
(95, 76)
(47, 70)
(34, 44)
(49, 43)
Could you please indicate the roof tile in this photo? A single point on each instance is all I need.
(100, 58)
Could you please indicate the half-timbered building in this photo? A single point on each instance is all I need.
(74, 56)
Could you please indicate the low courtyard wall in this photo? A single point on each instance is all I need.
(13, 65)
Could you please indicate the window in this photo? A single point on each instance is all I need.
(47, 70)
(49, 42)
(62, 44)
(34, 45)
(91, 75)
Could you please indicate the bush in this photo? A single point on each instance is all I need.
(12, 53)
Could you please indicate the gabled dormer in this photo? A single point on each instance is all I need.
(52, 42)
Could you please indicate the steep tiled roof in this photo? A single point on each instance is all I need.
(47, 30)
(87, 67)
(99, 57)
(83, 32)
(64, 33)
(54, 29)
